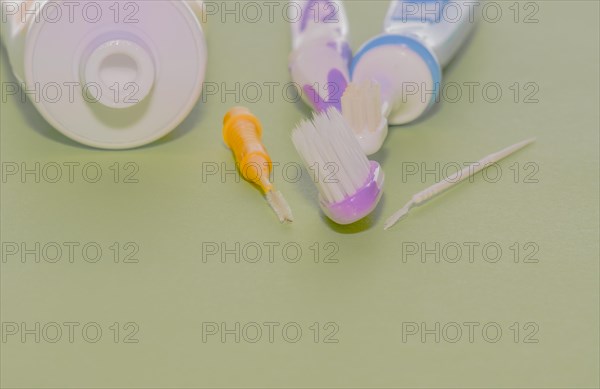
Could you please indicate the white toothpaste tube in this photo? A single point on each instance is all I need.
(321, 55)
(108, 74)
(421, 36)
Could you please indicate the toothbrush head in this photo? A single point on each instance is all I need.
(349, 185)
(365, 114)
(361, 203)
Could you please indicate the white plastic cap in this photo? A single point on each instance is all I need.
(408, 72)
(122, 83)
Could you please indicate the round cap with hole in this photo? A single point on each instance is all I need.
(113, 79)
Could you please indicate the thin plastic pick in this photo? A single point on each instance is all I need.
(454, 179)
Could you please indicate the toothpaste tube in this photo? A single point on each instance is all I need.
(321, 55)
(421, 36)
(108, 74)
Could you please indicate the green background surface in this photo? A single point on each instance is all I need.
(375, 288)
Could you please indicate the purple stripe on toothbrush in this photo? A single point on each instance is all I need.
(336, 85)
(362, 203)
(343, 48)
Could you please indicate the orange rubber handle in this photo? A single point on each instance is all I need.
(242, 134)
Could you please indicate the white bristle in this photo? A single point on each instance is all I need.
(329, 149)
(361, 106)
(280, 206)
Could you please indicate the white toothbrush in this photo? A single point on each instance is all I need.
(406, 61)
